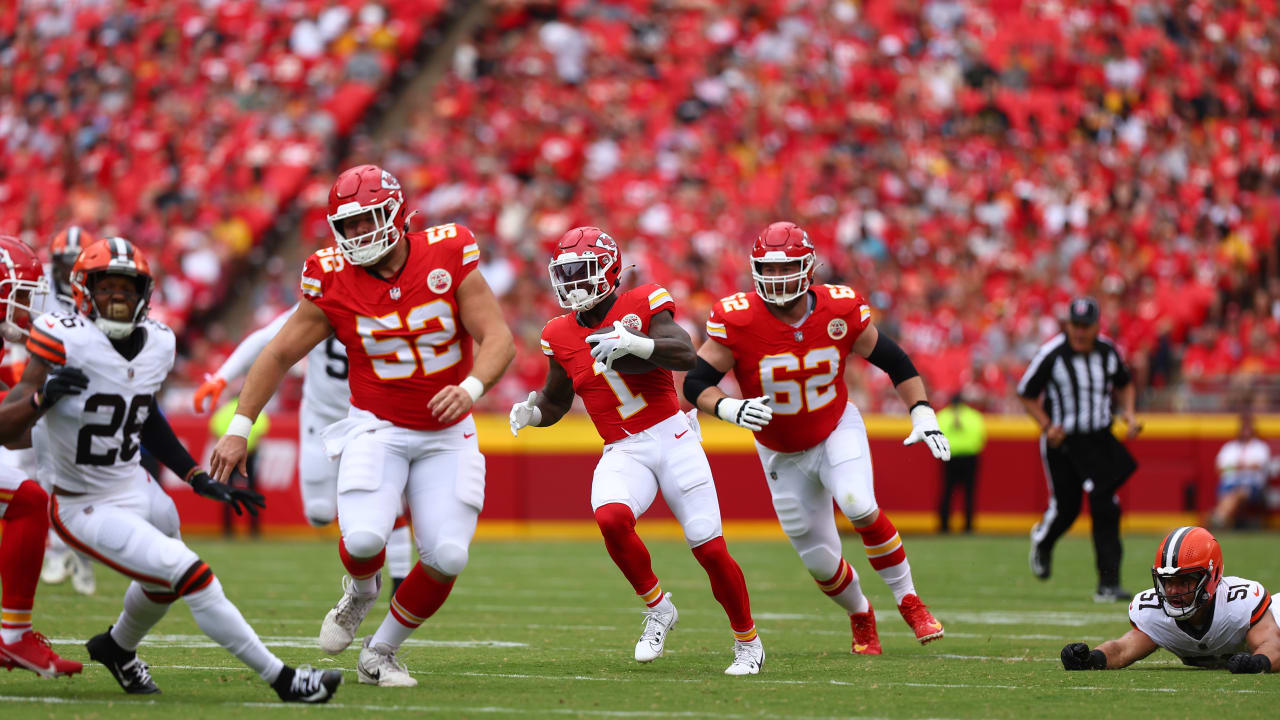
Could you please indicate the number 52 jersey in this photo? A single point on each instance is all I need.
(90, 442)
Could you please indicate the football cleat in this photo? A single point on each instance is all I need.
(34, 653)
(917, 615)
(56, 567)
(866, 641)
(1111, 593)
(379, 666)
(748, 658)
(343, 620)
(126, 667)
(306, 684)
(658, 621)
(1038, 559)
(82, 577)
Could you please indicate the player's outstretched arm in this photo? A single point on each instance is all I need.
(1263, 641)
(306, 328)
(239, 362)
(880, 350)
(163, 444)
(40, 387)
(714, 360)
(482, 317)
(1110, 655)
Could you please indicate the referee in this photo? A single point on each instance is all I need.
(1068, 391)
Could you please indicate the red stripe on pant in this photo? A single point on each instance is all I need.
(75, 542)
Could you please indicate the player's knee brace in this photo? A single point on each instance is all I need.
(821, 561)
(449, 558)
(700, 529)
(197, 577)
(614, 518)
(363, 543)
(29, 500)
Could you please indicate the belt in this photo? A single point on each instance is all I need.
(67, 493)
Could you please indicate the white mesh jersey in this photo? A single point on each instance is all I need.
(1237, 604)
(91, 441)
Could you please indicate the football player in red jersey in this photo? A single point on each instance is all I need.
(787, 346)
(1195, 612)
(617, 351)
(406, 305)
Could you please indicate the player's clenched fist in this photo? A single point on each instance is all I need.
(750, 413)
(1077, 656)
(610, 345)
(1245, 663)
(524, 414)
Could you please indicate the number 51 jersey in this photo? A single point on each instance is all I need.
(1237, 604)
(90, 442)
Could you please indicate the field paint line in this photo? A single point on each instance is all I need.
(291, 641)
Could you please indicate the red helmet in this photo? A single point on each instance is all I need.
(65, 249)
(782, 242)
(21, 280)
(366, 189)
(1187, 570)
(111, 256)
(585, 267)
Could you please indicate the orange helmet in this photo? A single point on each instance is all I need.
(111, 256)
(65, 249)
(21, 280)
(1187, 570)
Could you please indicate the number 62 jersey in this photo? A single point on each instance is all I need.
(1237, 604)
(90, 442)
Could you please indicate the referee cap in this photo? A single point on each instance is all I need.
(1083, 311)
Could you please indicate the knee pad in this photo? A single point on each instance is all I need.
(449, 558)
(857, 509)
(363, 543)
(821, 562)
(791, 515)
(701, 529)
(320, 512)
(28, 500)
(615, 517)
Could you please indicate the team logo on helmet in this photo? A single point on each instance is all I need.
(439, 281)
(631, 321)
(837, 328)
(389, 181)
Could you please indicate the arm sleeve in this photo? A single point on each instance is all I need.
(251, 347)
(702, 376)
(892, 359)
(159, 440)
(1036, 375)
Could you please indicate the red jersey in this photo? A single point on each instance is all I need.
(800, 368)
(404, 336)
(619, 405)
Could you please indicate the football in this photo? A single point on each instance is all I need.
(632, 365)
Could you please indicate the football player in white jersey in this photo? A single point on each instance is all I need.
(325, 401)
(93, 379)
(1195, 612)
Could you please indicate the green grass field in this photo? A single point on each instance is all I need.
(546, 629)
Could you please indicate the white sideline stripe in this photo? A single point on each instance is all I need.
(289, 641)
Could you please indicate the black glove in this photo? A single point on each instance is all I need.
(1077, 656)
(236, 497)
(1246, 663)
(61, 382)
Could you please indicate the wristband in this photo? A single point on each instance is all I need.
(192, 473)
(474, 387)
(919, 403)
(642, 347)
(240, 426)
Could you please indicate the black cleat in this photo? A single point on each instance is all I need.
(1039, 560)
(306, 684)
(126, 667)
(1112, 593)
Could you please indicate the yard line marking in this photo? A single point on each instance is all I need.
(291, 641)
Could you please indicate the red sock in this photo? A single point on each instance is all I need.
(728, 585)
(361, 568)
(21, 553)
(884, 547)
(618, 526)
(419, 597)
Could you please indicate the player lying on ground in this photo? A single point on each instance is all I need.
(1195, 612)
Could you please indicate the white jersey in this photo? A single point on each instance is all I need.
(49, 303)
(1237, 605)
(324, 385)
(1244, 462)
(91, 441)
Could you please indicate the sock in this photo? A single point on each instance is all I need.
(618, 526)
(400, 550)
(844, 589)
(653, 597)
(142, 610)
(887, 556)
(418, 598)
(224, 624)
(363, 571)
(728, 586)
(21, 554)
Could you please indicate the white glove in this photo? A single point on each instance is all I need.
(924, 426)
(751, 413)
(613, 344)
(524, 414)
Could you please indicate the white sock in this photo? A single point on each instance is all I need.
(392, 632)
(400, 553)
(139, 615)
(851, 597)
(366, 585)
(898, 578)
(222, 622)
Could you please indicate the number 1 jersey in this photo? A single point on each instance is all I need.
(404, 335)
(800, 368)
(90, 442)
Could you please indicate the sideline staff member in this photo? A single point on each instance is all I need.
(1068, 390)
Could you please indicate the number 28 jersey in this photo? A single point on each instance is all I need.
(619, 404)
(90, 442)
(1237, 604)
(801, 368)
(404, 335)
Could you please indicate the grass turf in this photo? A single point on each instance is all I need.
(546, 629)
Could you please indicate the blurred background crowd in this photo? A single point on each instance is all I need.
(968, 166)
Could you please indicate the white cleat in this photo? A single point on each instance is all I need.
(379, 666)
(748, 658)
(82, 577)
(343, 620)
(56, 567)
(658, 621)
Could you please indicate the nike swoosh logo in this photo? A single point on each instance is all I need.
(680, 435)
(468, 435)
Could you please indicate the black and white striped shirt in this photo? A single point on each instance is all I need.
(1076, 386)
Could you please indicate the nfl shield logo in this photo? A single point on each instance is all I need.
(395, 293)
(130, 373)
(799, 336)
